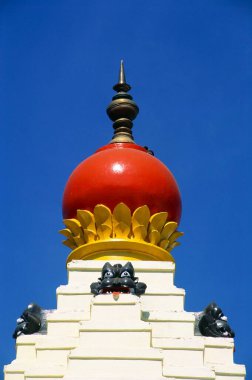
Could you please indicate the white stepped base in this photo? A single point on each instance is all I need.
(15, 370)
(178, 343)
(231, 372)
(56, 350)
(218, 351)
(215, 351)
(116, 339)
(25, 346)
(66, 323)
(130, 362)
(56, 356)
(171, 300)
(170, 325)
(73, 298)
(158, 275)
(153, 354)
(42, 371)
(69, 316)
(182, 352)
(76, 298)
(29, 346)
(125, 308)
(14, 376)
(138, 338)
(188, 373)
(22, 371)
(119, 336)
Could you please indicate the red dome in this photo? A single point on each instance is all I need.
(122, 172)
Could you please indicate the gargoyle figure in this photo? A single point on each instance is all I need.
(118, 278)
(30, 321)
(212, 322)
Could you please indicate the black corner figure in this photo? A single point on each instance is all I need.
(118, 278)
(214, 323)
(29, 322)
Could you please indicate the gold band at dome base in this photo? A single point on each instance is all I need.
(119, 249)
(103, 234)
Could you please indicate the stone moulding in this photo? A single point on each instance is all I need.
(154, 234)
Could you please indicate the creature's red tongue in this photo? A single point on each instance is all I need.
(116, 295)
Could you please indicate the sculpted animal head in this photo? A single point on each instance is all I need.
(214, 323)
(118, 278)
(30, 321)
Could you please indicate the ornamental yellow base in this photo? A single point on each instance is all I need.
(146, 338)
(119, 249)
(107, 235)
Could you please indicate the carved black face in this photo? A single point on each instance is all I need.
(29, 322)
(118, 278)
(214, 323)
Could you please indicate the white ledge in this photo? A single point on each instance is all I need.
(235, 369)
(201, 373)
(166, 316)
(69, 316)
(137, 354)
(139, 266)
(90, 326)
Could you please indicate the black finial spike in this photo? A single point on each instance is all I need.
(122, 85)
(122, 110)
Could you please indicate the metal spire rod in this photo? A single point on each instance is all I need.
(122, 110)
(122, 85)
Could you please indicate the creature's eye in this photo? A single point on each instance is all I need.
(125, 274)
(108, 274)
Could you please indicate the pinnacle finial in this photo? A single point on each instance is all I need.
(122, 78)
(122, 85)
(122, 110)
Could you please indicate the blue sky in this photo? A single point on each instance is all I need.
(189, 65)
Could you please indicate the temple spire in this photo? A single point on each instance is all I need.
(122, 110)
(122, 85)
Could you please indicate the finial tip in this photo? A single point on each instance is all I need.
(122, 78)
(122, 110)
(122, 85)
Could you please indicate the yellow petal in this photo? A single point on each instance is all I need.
(154, 237)
(122, 213)
(89, 235)
(175, 244)
(121, 230)
(69, 244)
(73, 225)
(157, 221)
(175, 236)
(104, 231)
(140, 232)
(168, 229)
(164, 243)
(86, 219)
(103, 220)
(66, 232)
(103, 215)
(141, 217)
(78, 240)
